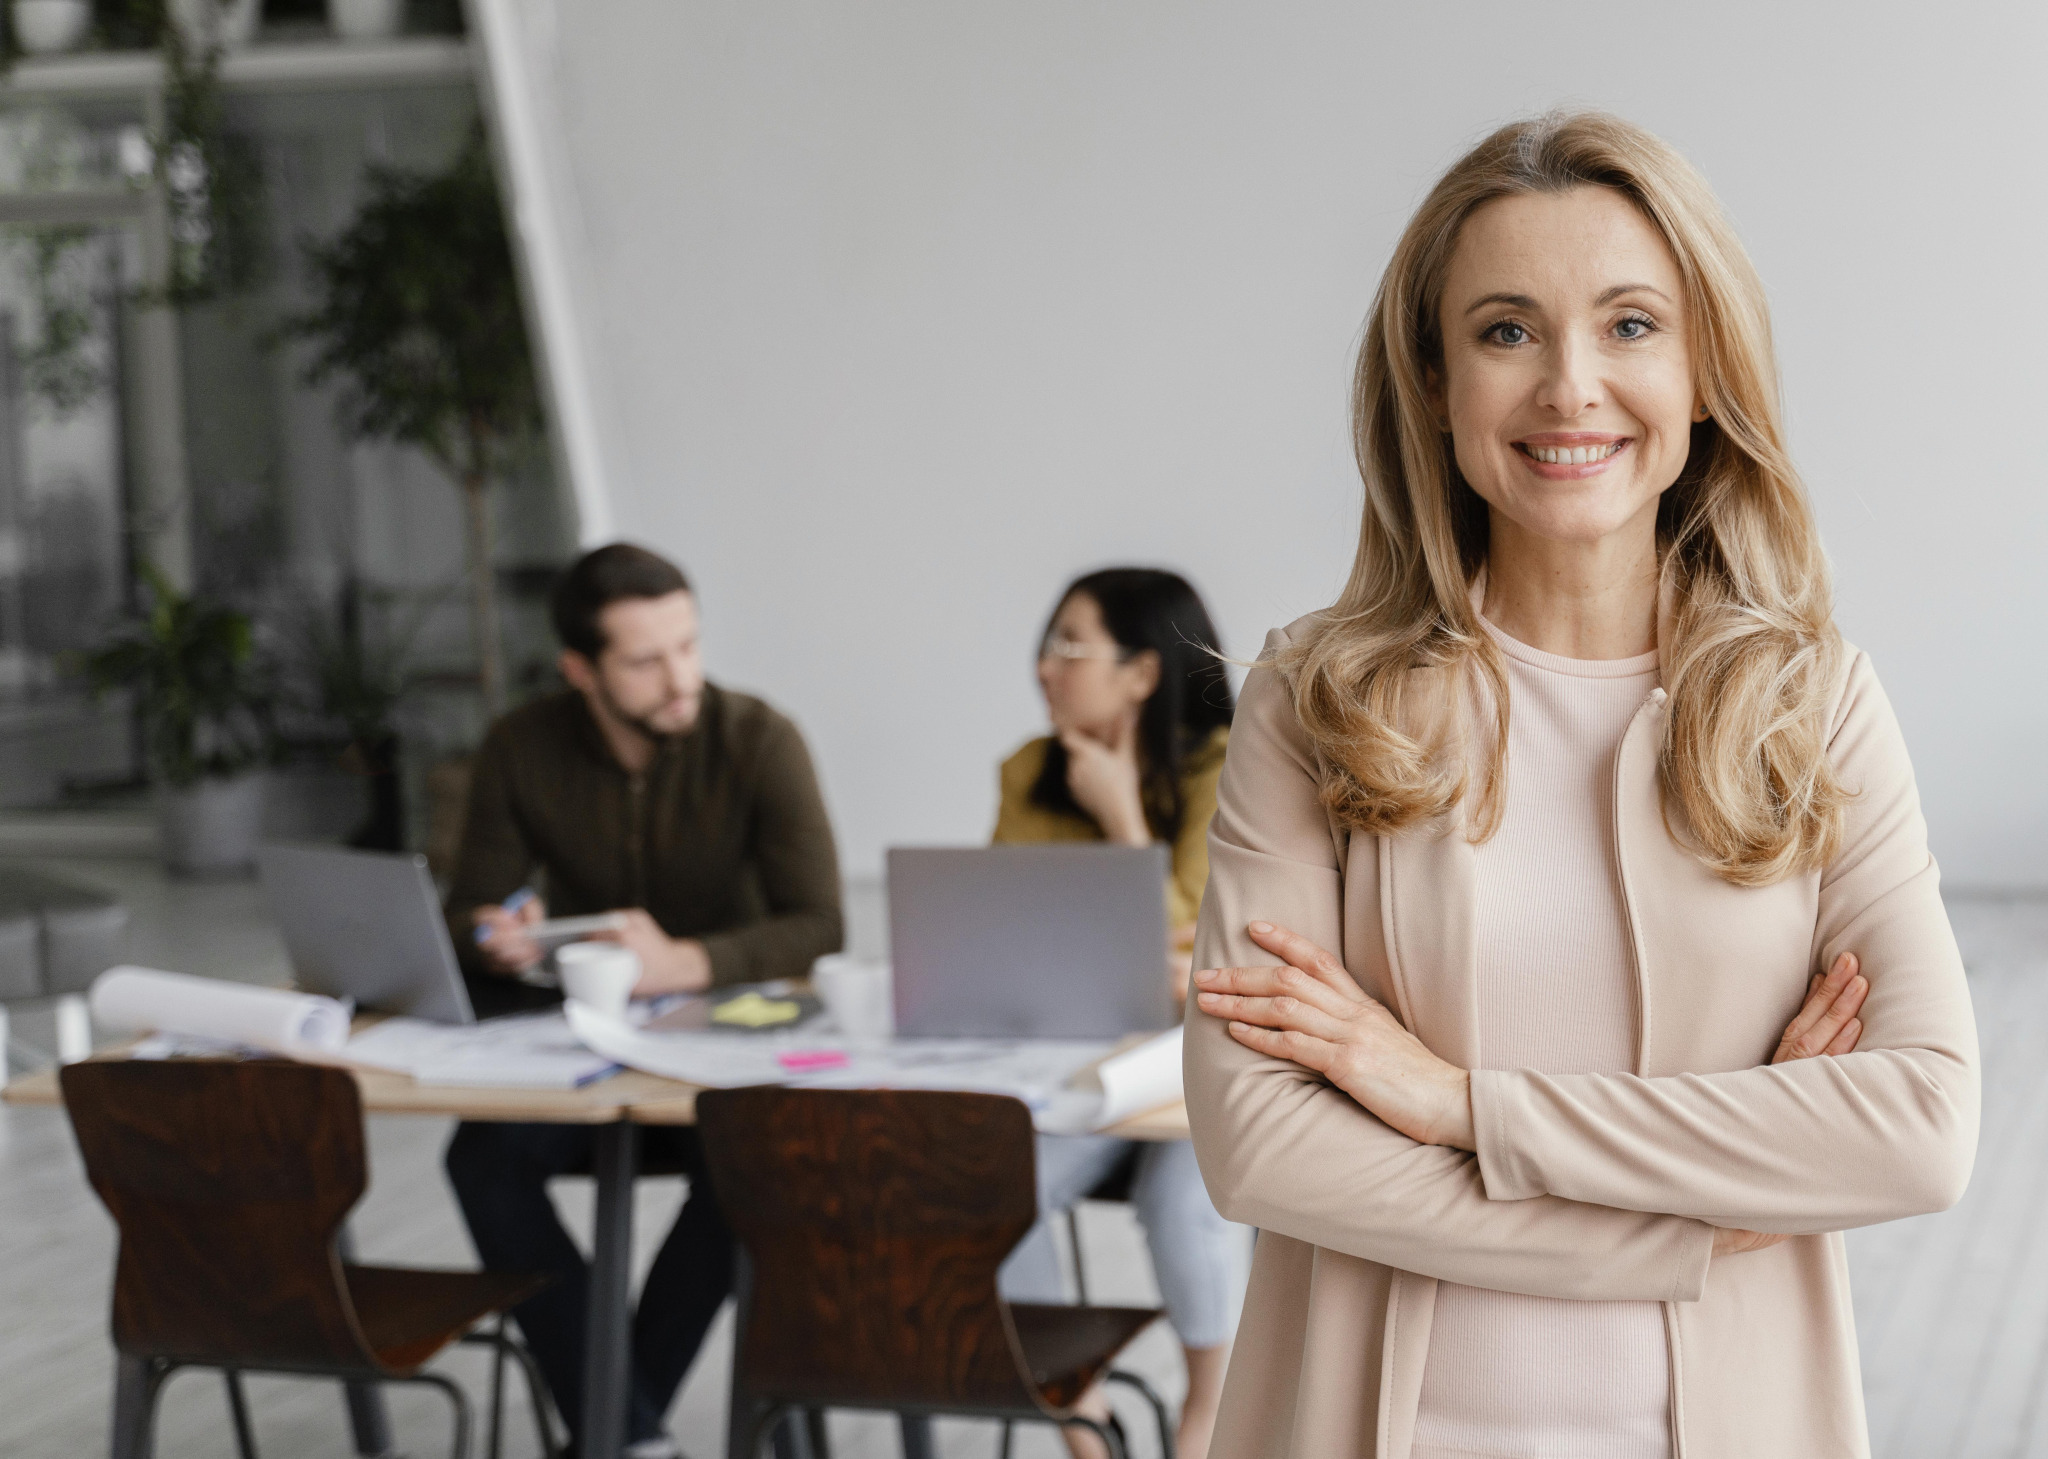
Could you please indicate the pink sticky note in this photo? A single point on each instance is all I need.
(810, 1061)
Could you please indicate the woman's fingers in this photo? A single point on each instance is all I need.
(1281, 982)
(1845, 1041)
(1298, 951)
(1731, 1241)
(1831, 1002)
(1283, 1012)
(1820, 992)
(1300, 1048)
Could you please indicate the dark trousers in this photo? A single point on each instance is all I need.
(500, 1175)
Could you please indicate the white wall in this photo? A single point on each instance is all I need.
(907, 312)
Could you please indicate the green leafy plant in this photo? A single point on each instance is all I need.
(418, 311)
(190, 666)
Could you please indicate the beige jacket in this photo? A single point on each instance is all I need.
(1585, 1186)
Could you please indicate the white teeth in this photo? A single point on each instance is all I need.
(1573, 455)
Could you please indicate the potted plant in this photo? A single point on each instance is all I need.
(418, 312)
(189, 666)
(357, 675)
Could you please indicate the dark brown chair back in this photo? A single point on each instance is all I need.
(229, 1181)
(875, 1221)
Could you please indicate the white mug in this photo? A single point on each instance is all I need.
(856, 994)
(600, 974)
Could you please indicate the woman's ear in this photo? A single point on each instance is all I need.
(1439, 402)
(1144, 668)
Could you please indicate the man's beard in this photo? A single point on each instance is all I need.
(640, 723)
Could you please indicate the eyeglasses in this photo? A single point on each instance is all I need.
(1058, 646)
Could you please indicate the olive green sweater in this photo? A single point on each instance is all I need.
(723, 838)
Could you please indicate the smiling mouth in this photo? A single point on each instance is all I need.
(1571, 455)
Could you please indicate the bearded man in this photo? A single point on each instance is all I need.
(692, 811)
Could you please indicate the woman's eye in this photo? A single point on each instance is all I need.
(1508, 332)
(1634, 328)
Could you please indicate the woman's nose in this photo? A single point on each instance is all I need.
(1570, 385)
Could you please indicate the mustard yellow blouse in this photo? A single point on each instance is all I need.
(1019, 820)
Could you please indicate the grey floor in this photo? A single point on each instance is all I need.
(1952, 1310)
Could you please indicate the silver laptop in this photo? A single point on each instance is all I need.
(365, 925)
(1062, 941)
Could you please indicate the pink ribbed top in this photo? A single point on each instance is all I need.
(1511, 1376)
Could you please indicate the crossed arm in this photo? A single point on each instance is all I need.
(1308, 1010)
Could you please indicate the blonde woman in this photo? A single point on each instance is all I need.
(1574, 966)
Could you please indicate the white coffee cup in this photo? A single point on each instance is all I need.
(856, 994)
(601, 974)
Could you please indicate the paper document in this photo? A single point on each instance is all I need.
(527, 1051)
(1140, 1079)
(147, 1000)
(1037, 1071)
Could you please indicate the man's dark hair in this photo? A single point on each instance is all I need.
(601, 577)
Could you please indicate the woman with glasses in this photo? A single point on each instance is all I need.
(1140, 708)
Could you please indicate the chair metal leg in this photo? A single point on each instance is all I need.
(814, 1431)
(749, 1422)
(457, 1400)
(238, 1408)
(498, 1389)
(507, 1346)
(916, 1429)
(136, 1384)
(1003, 1448)
(1073, 1215)
(1151, 1396)
(1110, 1433)
(369, 1421)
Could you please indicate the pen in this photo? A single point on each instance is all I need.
(513, 903)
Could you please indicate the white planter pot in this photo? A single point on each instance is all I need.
(366, 20)
(45, 27)
(232, 23)
(211, 828)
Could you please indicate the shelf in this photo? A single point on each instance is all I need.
(294, 66)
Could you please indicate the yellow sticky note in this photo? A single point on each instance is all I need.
(751, 1010)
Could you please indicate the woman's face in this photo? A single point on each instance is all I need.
(1567, 380)
(1088, 682)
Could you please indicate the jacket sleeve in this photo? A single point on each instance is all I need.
(1815, 1144)
(494, 858)
(789, 839)
(1283, 1150)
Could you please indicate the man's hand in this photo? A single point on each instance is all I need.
(1313, 1013)
(507, 945)
(667, 964)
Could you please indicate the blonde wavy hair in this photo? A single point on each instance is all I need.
(1752, 653)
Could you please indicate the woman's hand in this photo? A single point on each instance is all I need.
(1312, 1012)
(1827, 1021)
(1825, 1024)
(1103, 776)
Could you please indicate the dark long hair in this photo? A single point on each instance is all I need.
(1145, 608)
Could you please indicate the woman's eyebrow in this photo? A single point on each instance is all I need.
(1608, 296)
(1513, 301)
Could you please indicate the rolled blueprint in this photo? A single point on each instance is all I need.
(144, 1000)
(1140, 1079)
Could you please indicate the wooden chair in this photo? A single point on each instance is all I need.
(229, 1181)
(873, 1223)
